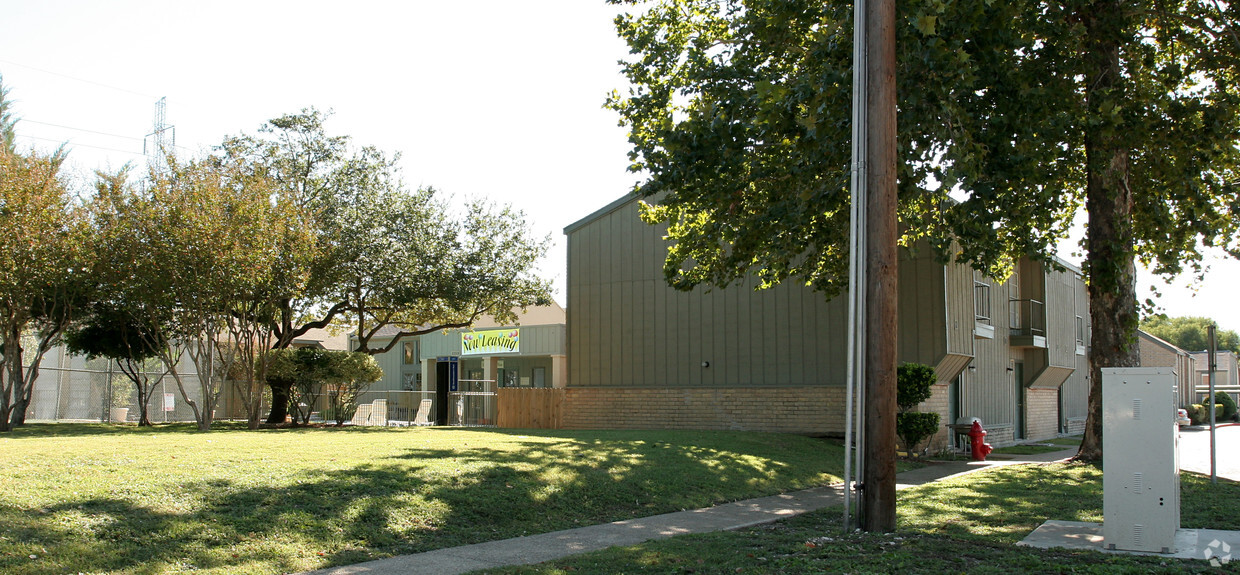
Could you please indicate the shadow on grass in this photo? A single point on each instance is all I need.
(403, 504)
(1005, 503)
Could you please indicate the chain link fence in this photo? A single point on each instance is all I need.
(72, 388)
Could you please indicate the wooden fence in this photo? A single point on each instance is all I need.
(539, 408)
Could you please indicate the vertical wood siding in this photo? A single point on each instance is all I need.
(628, 328)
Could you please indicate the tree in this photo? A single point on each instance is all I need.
(1012, 116)
(8, 122)
(44, 254)
(115, 334)
(384, 255)
(189, 256)
(342, 375)
(1189, 333)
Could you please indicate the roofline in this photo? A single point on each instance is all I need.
(631, 197)
(376, 338)
(599, 213)
(1157, 340)
(1065, 263)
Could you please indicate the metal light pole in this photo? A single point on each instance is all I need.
(1210, 405)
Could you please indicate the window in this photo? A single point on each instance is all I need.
(981, 302)
(411, 353)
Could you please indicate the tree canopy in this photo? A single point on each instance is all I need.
(388, 255)
(1189, 333)
(45, 254)
(1012, 115)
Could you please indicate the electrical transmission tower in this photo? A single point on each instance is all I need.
(161, 141)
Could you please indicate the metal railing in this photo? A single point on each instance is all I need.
(474, 404)
(1028, 317)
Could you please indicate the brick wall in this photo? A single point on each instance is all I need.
(804, 410)
(1041, 413)
(938, 404)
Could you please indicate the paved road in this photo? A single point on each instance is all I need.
(1195, 450)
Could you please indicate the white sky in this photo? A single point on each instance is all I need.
(488, 98)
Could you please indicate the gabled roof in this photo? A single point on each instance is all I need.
(1161, 342)
(599, 213)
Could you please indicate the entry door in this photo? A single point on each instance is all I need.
(443, 375)
(1018, 379)
(953, 406)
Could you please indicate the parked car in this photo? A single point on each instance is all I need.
(1181, 417)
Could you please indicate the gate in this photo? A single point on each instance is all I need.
(473, 403)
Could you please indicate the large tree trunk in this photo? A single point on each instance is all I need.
(1112, 273)
(280, 396)
(10, 379)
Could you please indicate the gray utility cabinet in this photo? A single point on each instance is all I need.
(1141, 459)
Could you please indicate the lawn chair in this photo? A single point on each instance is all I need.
(362, 415)
(424, 411)
(379, 413)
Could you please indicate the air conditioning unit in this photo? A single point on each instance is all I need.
(1141, 459)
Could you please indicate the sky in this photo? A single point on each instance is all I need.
(484, 99)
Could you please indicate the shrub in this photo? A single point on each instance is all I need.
(913, 381)
(1198, 413)
(1229, 404)
(913, 386)
(1195, 412)
(913, 427)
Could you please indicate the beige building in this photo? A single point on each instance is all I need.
(1156, 352)
(470, 365)
(1227, 377)
(642, 355)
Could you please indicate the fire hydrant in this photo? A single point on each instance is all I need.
(977, 440)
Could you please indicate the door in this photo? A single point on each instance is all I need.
(1018, 379)
(953, 406)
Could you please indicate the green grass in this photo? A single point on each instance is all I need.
(968, 524)
(1029, 449)
(96, 498)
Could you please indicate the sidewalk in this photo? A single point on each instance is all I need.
(737, 515)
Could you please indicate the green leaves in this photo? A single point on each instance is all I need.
(739, 114)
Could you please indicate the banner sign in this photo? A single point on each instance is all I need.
(491, 342)
(170, 402)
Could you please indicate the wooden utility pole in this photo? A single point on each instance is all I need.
(878, 499)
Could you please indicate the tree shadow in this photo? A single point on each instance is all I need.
(419, 499)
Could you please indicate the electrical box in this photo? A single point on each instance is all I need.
(1141, 459)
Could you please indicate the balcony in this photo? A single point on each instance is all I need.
(1027, 323)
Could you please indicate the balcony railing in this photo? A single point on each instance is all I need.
(1028, 317)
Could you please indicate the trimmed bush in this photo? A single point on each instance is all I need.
(1197, 414)
(914, 427)
(913, 386)
(1229, 404)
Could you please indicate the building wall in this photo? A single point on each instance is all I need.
(1156, 352)
(666, 358)
(805, 410)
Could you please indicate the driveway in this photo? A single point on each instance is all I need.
(1195, 450)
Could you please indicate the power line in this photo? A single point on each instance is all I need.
(78, 129)
(11, 63)
(70, 144)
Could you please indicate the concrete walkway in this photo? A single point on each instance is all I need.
(547, 546)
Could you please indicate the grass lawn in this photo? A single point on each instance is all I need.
(97, 498)
(968, 524)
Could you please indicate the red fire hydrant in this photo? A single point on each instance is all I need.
(977, 440)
